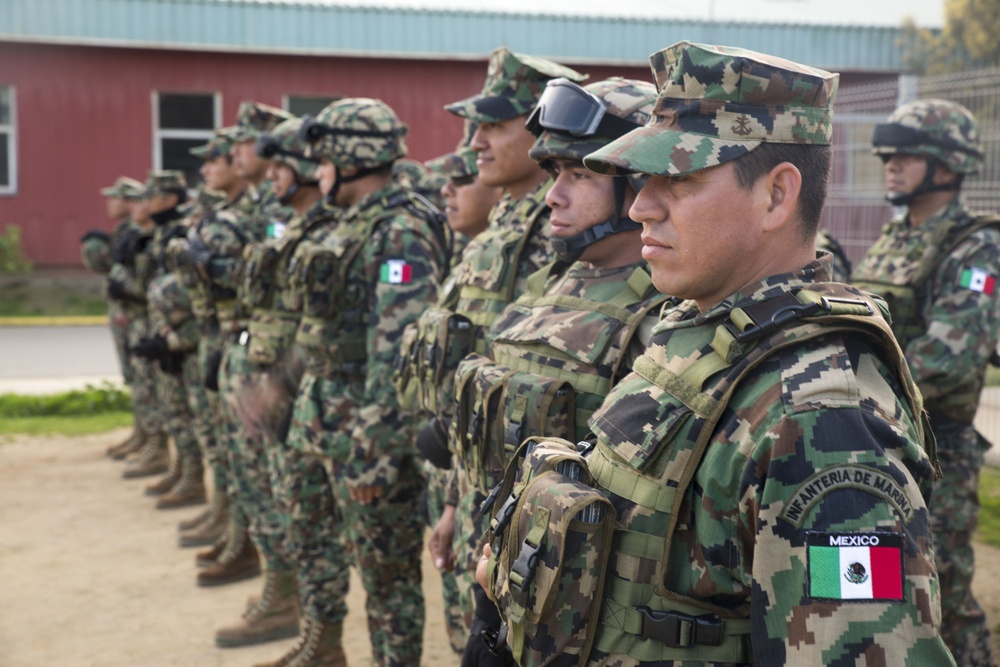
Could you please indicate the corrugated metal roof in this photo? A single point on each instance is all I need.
(342, 29)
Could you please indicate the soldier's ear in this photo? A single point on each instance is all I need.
(781, 189)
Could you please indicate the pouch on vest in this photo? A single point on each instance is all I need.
(270, 336)
(319, 279)
(429, 358)
(551, 537)
(476, 425)
(261, 259)
(535, 405)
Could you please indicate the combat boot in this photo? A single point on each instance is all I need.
(202, 516)
(152, 459)
(134, 441)
(212, 527)
(211, 556)
(166, 483)
(275, 616)
(237, 562)
(190, 487)
(323, 646)
(305, 623)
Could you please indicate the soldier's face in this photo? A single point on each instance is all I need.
(903, 173)
(580, 199)
(139, 209)
(502, 155)
(282, 177)
(467, 205)
(699, 233)
(219, 173)
(247, 163)
(117, 207)
(327, 176)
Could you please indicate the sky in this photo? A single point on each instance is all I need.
(926, 13)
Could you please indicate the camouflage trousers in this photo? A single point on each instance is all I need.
(384, 538)
(119, 333)
(251, 449)
(145, 404)
(954, 510)
(207, 408)
(456, 621)
(470, 538)
(305, 493)
(172, 396)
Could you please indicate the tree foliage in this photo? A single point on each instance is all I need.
(968, 40)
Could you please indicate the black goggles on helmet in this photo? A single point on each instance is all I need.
(566, 108)
(268, 147)
(312, 131)
(902, 137)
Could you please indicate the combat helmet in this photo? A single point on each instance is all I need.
(571, 122)
(95, 251)
(355, 133)
(941, 131)
(283, 144)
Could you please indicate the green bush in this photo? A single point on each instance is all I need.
(12, 259)
(89, 401)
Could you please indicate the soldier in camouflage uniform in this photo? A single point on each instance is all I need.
(128, 281)
(495, 265)
(936, 266)
(840, 264)
(369, 278)
(558, 349)
(757, 492)
(97, 252)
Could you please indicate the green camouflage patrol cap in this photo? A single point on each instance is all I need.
(255, 118)
(95, 251)
(218, 145)
(718, 103)
(457, 165)
(282, 144)
(165, 182)
(939, 129)
(123, 187)
(356, 132)
(514, 82)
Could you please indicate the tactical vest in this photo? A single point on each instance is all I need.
(647, 467)
(903, 278)
(170, 304)
(333, 329)
(479, 288)
(134, 266)
(534, 386)
(275, 309)
(223, 299)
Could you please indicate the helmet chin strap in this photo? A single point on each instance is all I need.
(926, 185)
(569, 250)
(331, 197)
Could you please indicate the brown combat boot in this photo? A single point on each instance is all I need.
(237, 562)
(212, 527)
(275, 616)
(133, 443)
(166, 483)
(305, 630)
(152, 459)
(211, 556)
(322, 646)
(190, 488)
(190, 524)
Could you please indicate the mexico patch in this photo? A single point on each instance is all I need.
(855, 566)
(977, 280)
(275, 229)
(396, 272)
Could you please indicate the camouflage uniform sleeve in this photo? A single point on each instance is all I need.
(963, 323)
(401, 276)
(833, 528)
(128, 281)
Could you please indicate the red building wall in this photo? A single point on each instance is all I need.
(84, 117)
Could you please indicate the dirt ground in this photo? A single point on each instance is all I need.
(91, 574)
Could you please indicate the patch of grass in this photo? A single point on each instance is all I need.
(34, 294)
(992, 376)
(92, 400)
(989, 513)
(72, 425)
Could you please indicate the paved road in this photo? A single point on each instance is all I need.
(48, 359)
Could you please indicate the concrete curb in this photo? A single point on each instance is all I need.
(55, 321)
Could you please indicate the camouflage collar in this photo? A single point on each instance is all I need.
(952, 212)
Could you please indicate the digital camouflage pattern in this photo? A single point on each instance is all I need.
(282, 144)
(165, 182)
(123, 187)
(817, 438)
(357, 133)
(938, 129)
(95, 251)
(254, 119)
(514, 82)
(456, 165)
(414, 176)
(348, 413)
(948, 333)
(717, 103)
(840, 265)
(218, 146)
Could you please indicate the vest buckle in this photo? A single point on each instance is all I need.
(524, 568)
(762, 318)
(678, 630)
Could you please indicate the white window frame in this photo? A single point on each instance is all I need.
(286, 99)
(160, 134)
(11, 131)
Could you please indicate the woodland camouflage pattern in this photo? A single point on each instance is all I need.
(359, 114)
(291, 151)
(948, 133)
(164, 182)
(255, 118)
(514, 82)
(218, 146)
(123, 187)
(717, 103)
(948, 333)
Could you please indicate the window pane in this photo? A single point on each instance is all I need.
(300, 106)
(176, 156)
(4, 161)
(4, 105)
(187, 112)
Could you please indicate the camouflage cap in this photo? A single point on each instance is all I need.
(123, 187)
(514, 82)
(459, 164)
(95, 251)
(217, 146)
(356, 132)
(255, 118)
(938, 129)
(283, 144)
(165, 182)
(718, 103)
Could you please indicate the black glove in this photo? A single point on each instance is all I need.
(172, 363)
(480, 650)
(151, 348)
(212, 365)
(432, 441)
(117, 291)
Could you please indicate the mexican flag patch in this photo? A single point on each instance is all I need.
(275, 229)
(396, 272)
(855, 566)
(977, 280)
